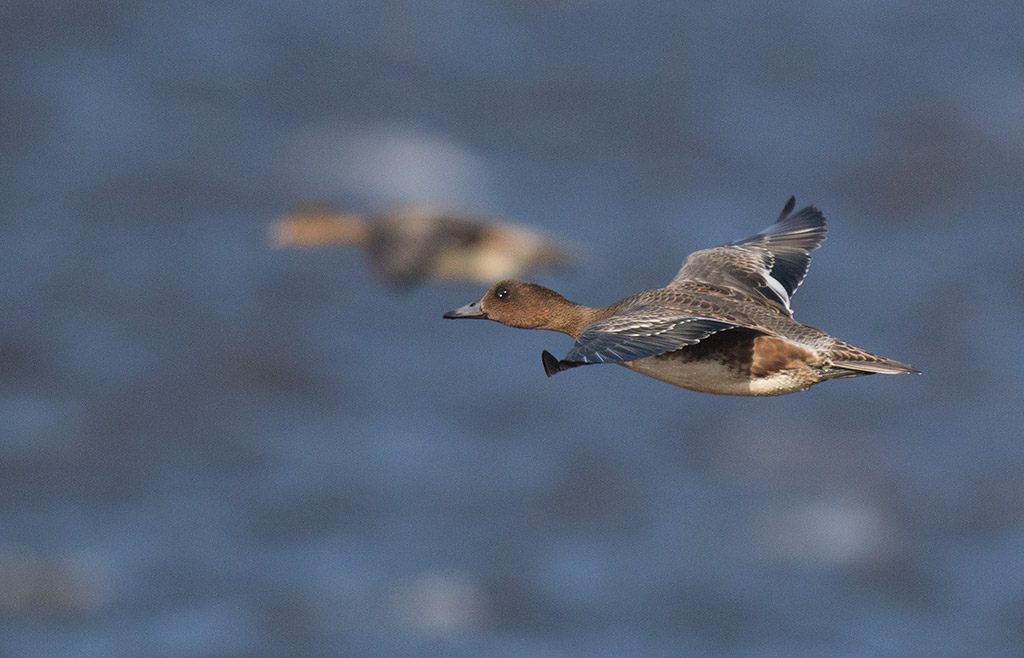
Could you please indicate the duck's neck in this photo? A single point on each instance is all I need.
(346, 228)
(567, 317)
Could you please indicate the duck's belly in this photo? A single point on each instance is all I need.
(735, 362)
(721, 379)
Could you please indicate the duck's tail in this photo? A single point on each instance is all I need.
(844, 355)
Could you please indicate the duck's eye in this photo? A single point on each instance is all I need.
(501, 293)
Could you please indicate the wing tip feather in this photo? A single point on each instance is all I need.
(788, 208)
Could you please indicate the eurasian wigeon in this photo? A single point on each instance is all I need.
(723, 325)
(409, 244)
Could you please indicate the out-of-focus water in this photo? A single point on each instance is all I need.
(209, 448)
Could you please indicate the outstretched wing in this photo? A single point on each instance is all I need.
(770, 265)
(638, 334)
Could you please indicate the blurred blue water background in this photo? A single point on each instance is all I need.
(209, 448)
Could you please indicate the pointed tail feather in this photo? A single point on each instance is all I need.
(847, 356)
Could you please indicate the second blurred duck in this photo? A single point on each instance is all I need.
(412, 243)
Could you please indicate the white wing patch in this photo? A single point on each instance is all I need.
(777, 288)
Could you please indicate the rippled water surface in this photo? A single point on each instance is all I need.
(212, 448)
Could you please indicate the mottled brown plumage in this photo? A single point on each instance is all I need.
(723, 325)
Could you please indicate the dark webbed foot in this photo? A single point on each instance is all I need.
(553, 366)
